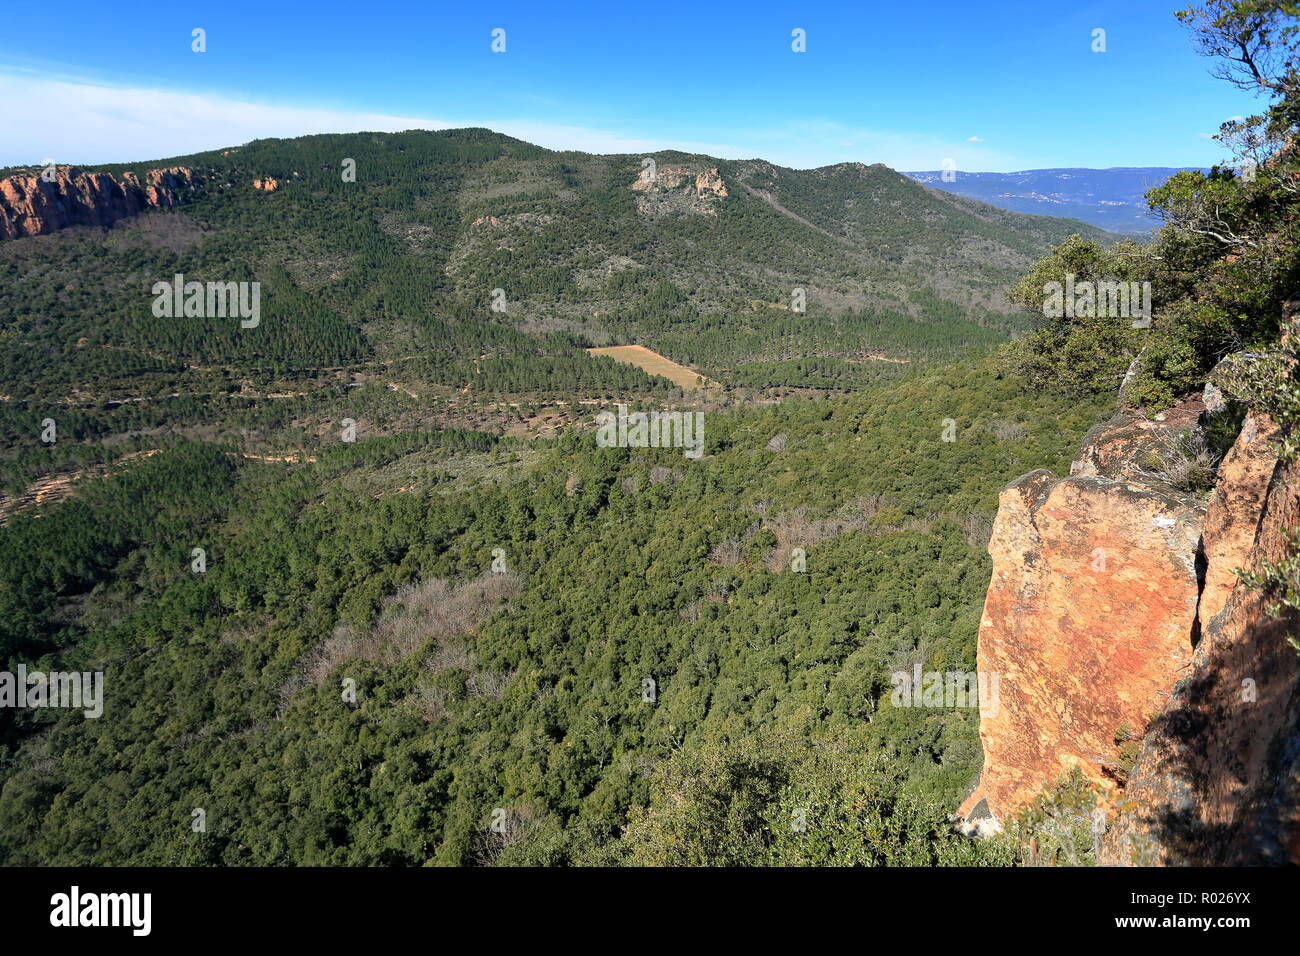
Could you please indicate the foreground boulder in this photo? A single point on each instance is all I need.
(1115, 611)
(1236, 510)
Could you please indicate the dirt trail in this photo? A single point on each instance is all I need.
(793, 215)
(56, 487)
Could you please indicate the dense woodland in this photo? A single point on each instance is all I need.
(520, 690)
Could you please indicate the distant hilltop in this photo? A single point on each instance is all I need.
(1111, 199)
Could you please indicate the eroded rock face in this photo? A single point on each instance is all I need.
(678, 189)
(1087, 622)
(1217, 779)
(1233, 519)
(1103, 583)
(31, 206)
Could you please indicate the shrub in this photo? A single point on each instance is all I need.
(1061, 827)
(1185, 461)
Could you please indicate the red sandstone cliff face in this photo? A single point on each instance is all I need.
(1114, 602)
(1089, 615)
(1236, 510)
(30, 206)
(1217, 781)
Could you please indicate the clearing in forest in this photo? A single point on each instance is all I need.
(655, 364)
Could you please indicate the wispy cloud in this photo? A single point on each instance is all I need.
(78, 122)
(74, 120)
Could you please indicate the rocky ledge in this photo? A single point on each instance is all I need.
(34, 205)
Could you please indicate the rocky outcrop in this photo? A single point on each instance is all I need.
(709, 181)
(1217, 780)
(1116, 449)
(35, 206)
(679, 189)
(1089, 616)
(1115, 603)
(1232, 522)
(267, 184)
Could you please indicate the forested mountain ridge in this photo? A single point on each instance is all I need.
(457, 278)
(563, 218)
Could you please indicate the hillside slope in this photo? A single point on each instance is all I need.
(701, 263)
(459, 279)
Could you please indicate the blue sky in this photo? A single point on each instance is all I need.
(994, 86)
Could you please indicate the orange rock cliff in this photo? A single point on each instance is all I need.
(32, 206)
(1114, 607)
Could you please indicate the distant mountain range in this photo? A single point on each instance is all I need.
(1111, 199)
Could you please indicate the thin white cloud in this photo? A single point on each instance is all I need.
(88, 123)
(84, 122)
(72, 120)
